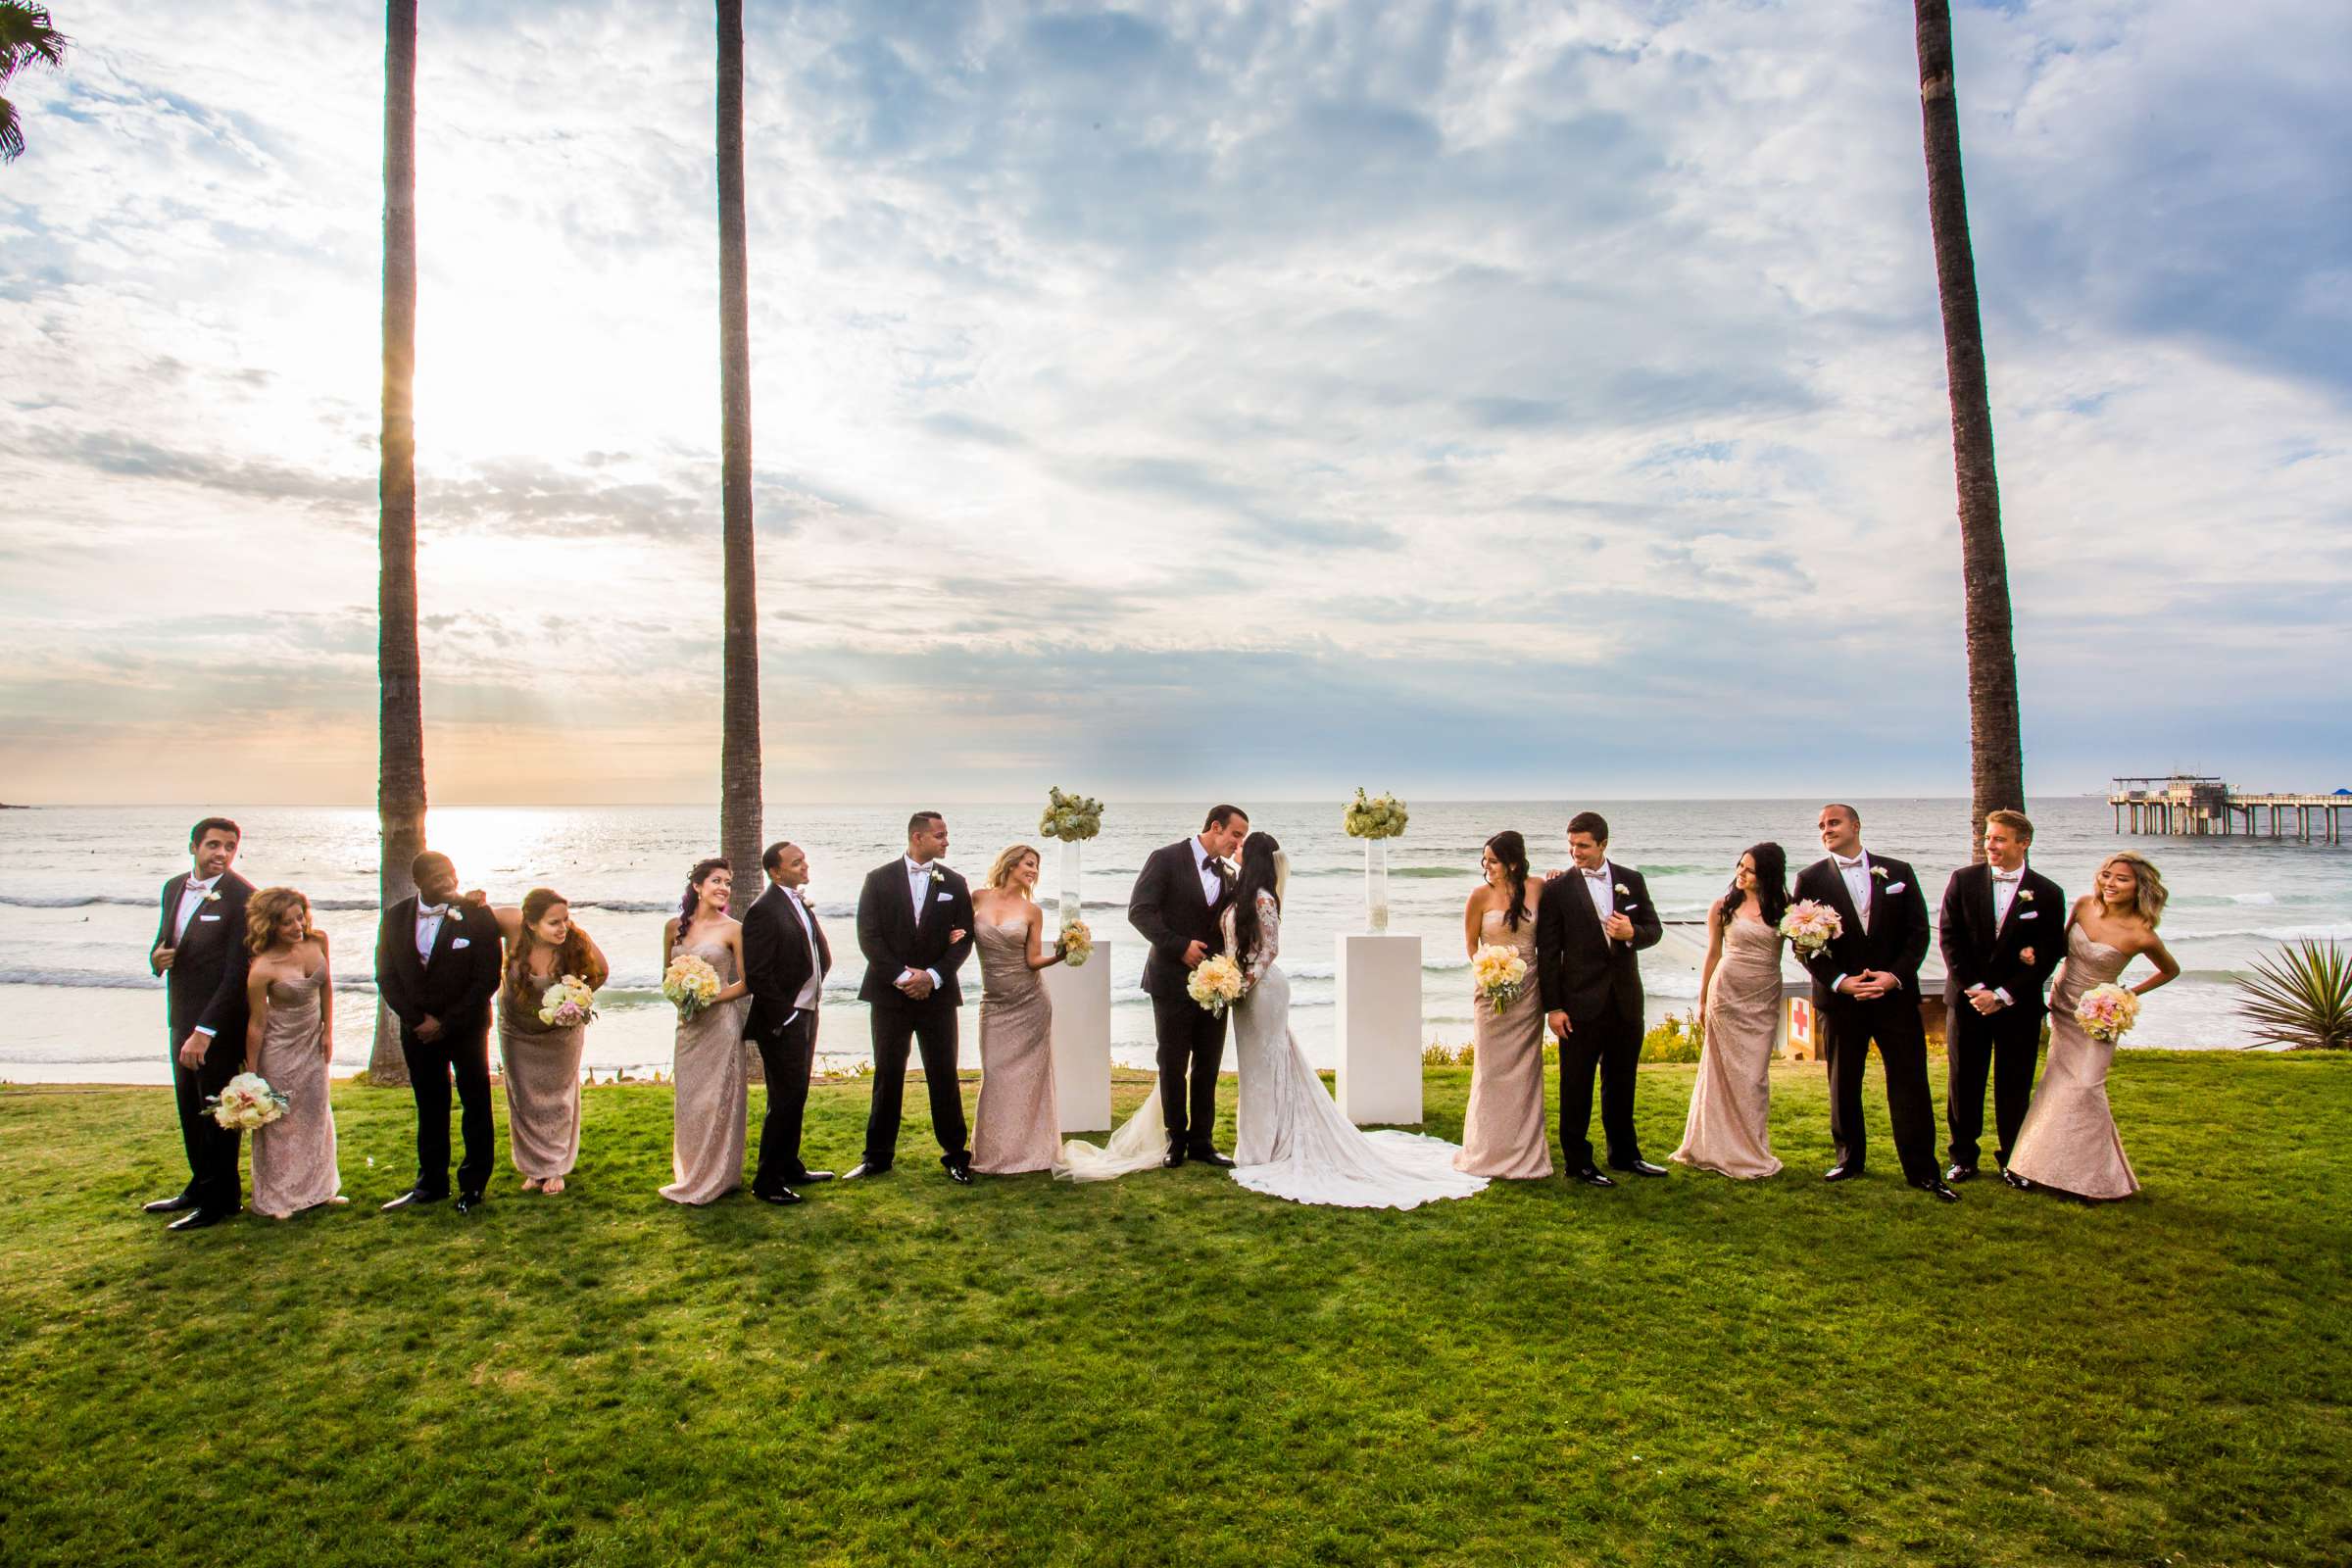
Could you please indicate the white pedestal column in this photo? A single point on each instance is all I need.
(1379, 1028)
(1082, 1042)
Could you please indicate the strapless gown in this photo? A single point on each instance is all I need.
(1731, 1099)
(1018, 1127)
(294, 1156)
(714, 1095)
(2069, 1141)
(1502, 1132)
(543, 1084)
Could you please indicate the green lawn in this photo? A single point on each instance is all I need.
(1170, 1370)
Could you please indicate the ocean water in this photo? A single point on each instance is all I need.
(79, 890)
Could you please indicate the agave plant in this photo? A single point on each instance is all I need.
(2301, 999)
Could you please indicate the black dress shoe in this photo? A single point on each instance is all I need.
(781, 1196)
(1174, 1158)
(197, 1218)
(1842, 1173)
(1936, 1189)
(413, 1198)
(808, 1177)
(1960, 1173)
(1641, 1168)
(2017, 1181)
(467, 1203)
(1208, 1156)
(960, 1173)
(169, 1206)
(1591, 1178)
(863, 1168)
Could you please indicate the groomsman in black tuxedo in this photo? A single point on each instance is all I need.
(914, 926)
(1179, 900)
(1596, 916)
(1865, 987)
(200, 952)
(437, 965)
(785, 960)
(2002, 929)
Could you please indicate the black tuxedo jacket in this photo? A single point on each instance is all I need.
(1581, 971)
(1169, 910)
(1896, 941)
(1975, 955)
(206, 983)
(777, 960)
(456, 985)
(893, 940)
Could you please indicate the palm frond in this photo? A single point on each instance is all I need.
(12, 134)
(2301, 998)
(25, 37)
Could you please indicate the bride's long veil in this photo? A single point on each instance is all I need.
(1140, 1144)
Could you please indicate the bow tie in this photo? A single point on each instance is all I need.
(1596, 876)
(2008, 876)
(431, 910)
(1845, 864)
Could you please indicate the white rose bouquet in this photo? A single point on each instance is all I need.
(1810, 926)
(1072, 818)
(569, 1002)
(245, 1102)
(1380, 818)
(1077, 943)
(1216, 984)
(1500, 975)
(690, 984)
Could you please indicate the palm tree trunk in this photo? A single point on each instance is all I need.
(1997, 757)
(739, 824)
(399, 769)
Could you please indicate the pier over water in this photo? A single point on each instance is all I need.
(2192, 805)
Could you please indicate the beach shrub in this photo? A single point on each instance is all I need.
(2300, 998)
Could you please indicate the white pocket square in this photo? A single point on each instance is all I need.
(208, 918)
(460, 943)
(1896, 887)
(2030, 915)
(947, 898)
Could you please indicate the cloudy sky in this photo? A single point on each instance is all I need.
(1464, 399)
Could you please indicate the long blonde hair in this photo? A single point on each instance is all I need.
(1000, 871)
(2150, 901)
(266, 908)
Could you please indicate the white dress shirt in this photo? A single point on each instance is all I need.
(805, 1001)
(1602, 887)
(191, 898)
(1210, 884)
(918, 889)
(429, 927)
(2004, 897)
(1856, 873)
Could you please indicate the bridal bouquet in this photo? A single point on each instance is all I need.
(1500, 975)
(2107, 1013)
(1810, 926)
(1216, 985)
(690, 984)
(568, 1001)
(246, 1102)
(1072, 818)
(1382, 817)
(1077, 943)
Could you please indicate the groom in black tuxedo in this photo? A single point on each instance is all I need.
(785, 960)
(1596, 916)
(200, 952)
(437, 965)
(2001, 930)
(1179, 900)
(1865, 987)
(914, 926)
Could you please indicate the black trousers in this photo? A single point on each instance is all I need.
(1192, 1047)
(787, 1056)
(212, 1148)
(931, 1028)
(2008, 1043)
(1847, 1029)
(463, 1055)
(1613, 1047)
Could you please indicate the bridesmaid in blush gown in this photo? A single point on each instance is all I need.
(543, 1060)
(1502, 1132)
(2068, 1143)
(1739, 1013)
(289, 1040)
(1018, 1127)
(713, 1095)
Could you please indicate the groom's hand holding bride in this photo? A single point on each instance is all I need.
(1194, 955)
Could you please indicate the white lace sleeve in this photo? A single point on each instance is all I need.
(1269, 941)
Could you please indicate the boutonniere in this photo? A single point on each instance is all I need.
(2025, 895)
(938, 874)
(1622, 890)
(1877, 871)
(212, 894)
(456, 914)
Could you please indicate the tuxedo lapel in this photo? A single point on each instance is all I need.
(1978, 894)
(1835, 881)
